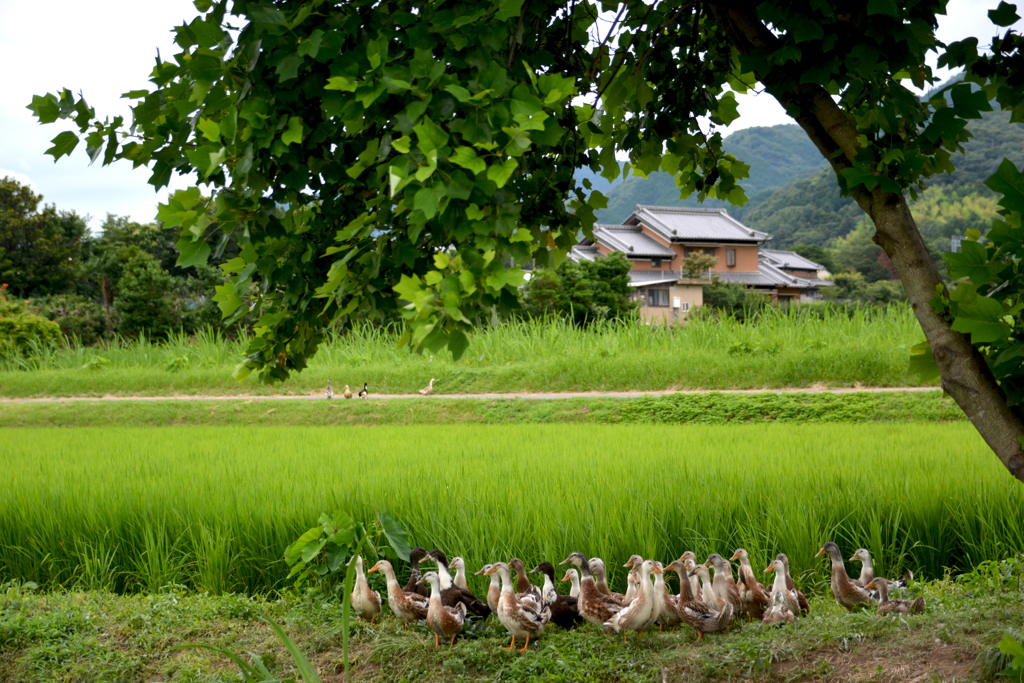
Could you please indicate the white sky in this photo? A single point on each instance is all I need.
(106, 48)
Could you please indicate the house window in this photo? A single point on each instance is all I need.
(655, 263)
(685, 307)
(710, 252)
(657, 297)
(730, 257)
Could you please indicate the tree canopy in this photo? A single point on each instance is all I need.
(381, 155)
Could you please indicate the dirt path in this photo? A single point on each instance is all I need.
(482, 397)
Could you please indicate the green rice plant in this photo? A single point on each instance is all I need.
(97, 567)
(214, 559)
(158, 565)
(238, 496)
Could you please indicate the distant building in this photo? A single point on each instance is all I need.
(657, 238)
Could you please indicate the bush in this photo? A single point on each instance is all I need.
(584, 291)
(144, 298)
(734, 299)
(79, 317)
(22, 334)
(854, 287)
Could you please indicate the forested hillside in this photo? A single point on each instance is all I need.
(776, 155)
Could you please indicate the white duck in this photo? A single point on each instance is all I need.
(636, 616)
(365, 602)
(522, 617)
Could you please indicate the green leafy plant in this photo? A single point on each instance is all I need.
(1013, 648)
(96, 362)
(322, 551)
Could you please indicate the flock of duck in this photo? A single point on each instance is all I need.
(706, 604)
(364, 392)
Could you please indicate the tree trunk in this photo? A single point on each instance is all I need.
(965, 374)
(106, 304)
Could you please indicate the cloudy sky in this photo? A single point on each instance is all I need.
(106, 48)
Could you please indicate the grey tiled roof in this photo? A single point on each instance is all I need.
(679, 224)
(584, 252)
(789, 259)
(630, 241)
(642, 278)
(768, 275)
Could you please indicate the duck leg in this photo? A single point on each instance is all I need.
(452, 643)
(436, 642)
(700, 636)
(523, 649)
(512, 645)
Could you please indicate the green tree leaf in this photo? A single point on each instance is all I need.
(63, 145)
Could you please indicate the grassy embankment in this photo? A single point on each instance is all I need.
(213, 508)
(781, 349)
(99, 637)
(711, 408)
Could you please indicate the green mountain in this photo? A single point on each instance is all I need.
(811, 210)
(776, 155)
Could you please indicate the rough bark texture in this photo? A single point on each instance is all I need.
(965, 375)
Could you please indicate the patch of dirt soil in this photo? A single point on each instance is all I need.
(882, 664)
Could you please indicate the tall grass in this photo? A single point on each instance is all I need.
(792, 347)
(219, 504)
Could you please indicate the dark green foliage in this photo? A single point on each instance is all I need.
(818, 254)
(22, 334)
(856, 288)
(144, 298)
(734, 299)
(584, 291)
(856, 252)
(40, 251)
(777, 155)
(79, 317)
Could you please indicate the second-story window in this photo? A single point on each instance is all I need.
(730, 257)
(655, 263)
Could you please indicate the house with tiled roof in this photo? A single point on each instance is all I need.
(656, 239)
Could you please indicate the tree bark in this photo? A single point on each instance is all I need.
(965, 374)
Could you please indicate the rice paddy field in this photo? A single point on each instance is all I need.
(212, 508)
(798, 347)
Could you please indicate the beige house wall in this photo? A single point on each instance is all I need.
(637, 263)
(688, 293)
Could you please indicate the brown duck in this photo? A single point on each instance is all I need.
(409, 607)
(888, 606)
(442, 620)
(452, 595)
(805, 606)
(564, 608)
(593, 606)
(413, 585)
(846, 592)
(723, 583)
(753, 597)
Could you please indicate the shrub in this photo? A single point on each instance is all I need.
(144, 298)
(79, 317)
(734, 299)
(22, 334)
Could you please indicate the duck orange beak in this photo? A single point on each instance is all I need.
(629, 563)
(768, 569)
(853, 559)
(372, 569)
(490, 571)
(870, 585)
(821, 553)
(735, 556)
(658, 570)
(565, 578)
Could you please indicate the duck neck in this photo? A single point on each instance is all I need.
(883, 593)
(574, 586)
(506, 580)
(867, 571)
(779, 584)
(435, 592)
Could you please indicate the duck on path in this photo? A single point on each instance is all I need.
(427, 390)
(348, 392)
(329, 393)
(363, 393)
